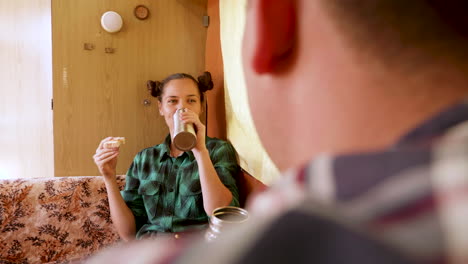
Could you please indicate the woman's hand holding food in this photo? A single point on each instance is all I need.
(106, 156)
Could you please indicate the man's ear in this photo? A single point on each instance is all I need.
(276, 33)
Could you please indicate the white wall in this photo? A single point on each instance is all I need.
(26, 137)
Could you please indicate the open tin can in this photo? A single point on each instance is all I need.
(185, 137)
(223, 218)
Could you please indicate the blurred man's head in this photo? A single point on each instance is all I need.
(351, 75)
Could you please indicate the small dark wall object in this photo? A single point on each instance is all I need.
(109, 50)
(88, 46)
(141, 12)
(206, 21)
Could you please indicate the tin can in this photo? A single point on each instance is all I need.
(223, 218)
(184, 134)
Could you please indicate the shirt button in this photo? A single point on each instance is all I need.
(176, 167)
(171, 190)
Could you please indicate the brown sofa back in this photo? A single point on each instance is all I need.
(248, 186)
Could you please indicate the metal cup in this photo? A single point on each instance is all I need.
(184, 134)
(223, 218)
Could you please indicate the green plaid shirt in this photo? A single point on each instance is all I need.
(164, 193)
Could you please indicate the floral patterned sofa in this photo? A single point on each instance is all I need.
(54, 220)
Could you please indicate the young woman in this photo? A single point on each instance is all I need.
(168, 190)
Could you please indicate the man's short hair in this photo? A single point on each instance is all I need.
(419, 30)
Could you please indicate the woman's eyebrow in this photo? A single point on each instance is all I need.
(174, 96)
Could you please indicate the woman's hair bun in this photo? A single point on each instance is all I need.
(205, 82)
(154, 87)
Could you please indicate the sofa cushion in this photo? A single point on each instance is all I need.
(54, 219)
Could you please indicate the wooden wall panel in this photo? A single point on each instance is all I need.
(97, 94)
(214, 64)
(26, 138)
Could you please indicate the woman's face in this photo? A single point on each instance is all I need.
(179, 93)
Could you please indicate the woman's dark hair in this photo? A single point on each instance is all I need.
(204, 83)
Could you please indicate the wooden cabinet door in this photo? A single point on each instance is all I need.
(98, 93)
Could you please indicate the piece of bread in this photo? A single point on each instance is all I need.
(115, 143)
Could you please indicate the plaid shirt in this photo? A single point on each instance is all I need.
(403, 204)
(164, 193)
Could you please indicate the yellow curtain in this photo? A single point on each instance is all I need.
(240, 128)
